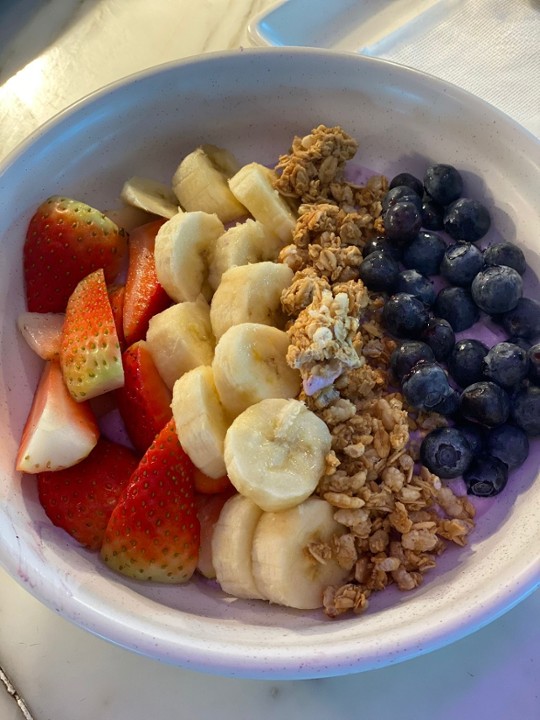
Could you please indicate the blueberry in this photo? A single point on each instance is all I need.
(440, 337)
(456, 305)
(449, 405)
(405, 357)
(508, 443)
(485, 402)
(461, 263)
(486, 476)
(506, 364)
(400, 193)
(466, 361)
(402, 222)
(466, 219)
(404, 316)
(505, 253)
(521, 342)
(432, 215)
(408, 180)
(412, 282)
(446, 452)
(381, 244)
(443, 183)
(475, 435)
(526, 409)
(497, 289)
(533, 353)
(424, 253)
(426, 385)
(523, 320)
(379, 271)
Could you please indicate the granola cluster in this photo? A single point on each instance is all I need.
(398, 516)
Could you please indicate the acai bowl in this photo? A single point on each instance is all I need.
(253, 103)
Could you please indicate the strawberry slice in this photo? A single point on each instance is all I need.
(144, 401)
(66, 240)
(59, 432)
(116, 298)
(208, 511)
(153, 532)
(80, 499)
(90, 354)
(207, 485)
(144, 297)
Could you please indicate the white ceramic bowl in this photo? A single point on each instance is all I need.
(253, 102)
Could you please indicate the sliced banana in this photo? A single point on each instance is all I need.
(241, 244)
(183, 253)
(232, 543)
(180, 338)
(201, 421)
(275, 453)
(250, 365)
(150, 195)
(250, 293)
(253, 186)
(200, 183)
(285, 571)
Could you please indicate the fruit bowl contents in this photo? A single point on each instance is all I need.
(315, 369)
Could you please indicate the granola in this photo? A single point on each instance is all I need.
(398, 516)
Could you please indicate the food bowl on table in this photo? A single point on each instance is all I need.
(253, 103)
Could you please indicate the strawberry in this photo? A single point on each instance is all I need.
(42, 332)
(65, 241)
(116, 298)
(210, 486)
(144, 401)
(153, 532)
(208, 510)
(144, 296)
(90, 354)
(81, 499)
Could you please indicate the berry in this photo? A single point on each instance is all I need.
(497, 289)
(508, 443)
(432, 215)
(526, 409)
(533, 353)
(409, 181)
(405, 357)
(455, 304)
(466, 361)
(506, 364)
(466, 219)
(486, 403)
(381, 244)
(426, 385)
(401, 193)
(443, 183)
(474, 434)
(505, 253)
(440, 337)
(449, 405)
(486, 476)
(402, 222)
(461, 263)
(413, 283)
(523, 320)
(424, 253)
(379, 271)
(446, 452)
(404, 316)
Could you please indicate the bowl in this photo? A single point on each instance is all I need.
(253, 102)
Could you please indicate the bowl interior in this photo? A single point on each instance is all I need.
(253, 103)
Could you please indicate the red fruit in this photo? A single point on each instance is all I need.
(81, 498)
(90, 354)
(208, 510)
(211, 486)
(153, 532)
(116, 298)
(65, 241)
(144, 401)
(59, 432)
(144, 296)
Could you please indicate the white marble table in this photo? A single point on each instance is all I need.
(52, 52)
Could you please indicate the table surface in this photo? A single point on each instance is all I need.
(51, 54)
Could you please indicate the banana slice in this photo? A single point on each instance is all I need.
(239, 245)
(180, 338)
(275, 453)
(253, 186)
(250, 365)
(250, 294)
(231, 547)
(150, 195)
(201, 421)
(183, 254)
(284, 570)
(200, 183)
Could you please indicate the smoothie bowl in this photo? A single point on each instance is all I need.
(321, 533)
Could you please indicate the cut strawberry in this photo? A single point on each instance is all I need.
(144, 401)
(66, 240)
(90, 354)
(211, 486)
(59, 432)
(154, 533)
(81, 499)
(117, 295)
(144, 297)
(208, 510)
(42, 332)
